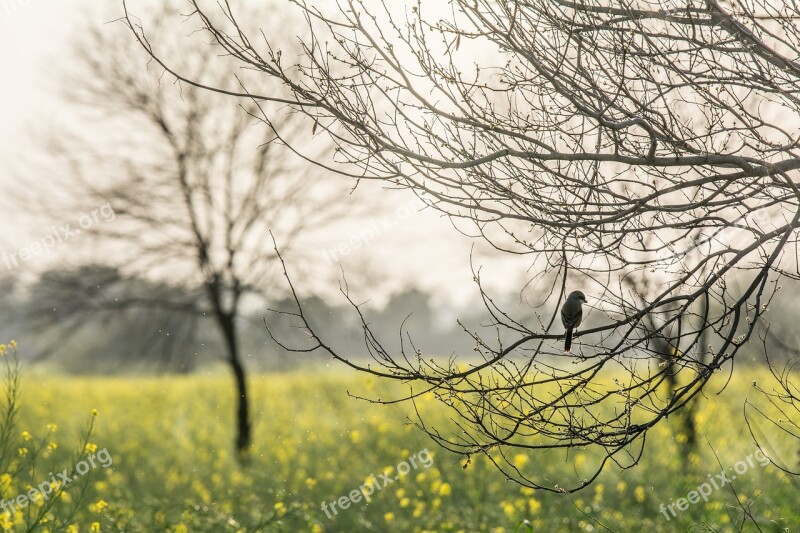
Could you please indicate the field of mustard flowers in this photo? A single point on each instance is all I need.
(169, 444)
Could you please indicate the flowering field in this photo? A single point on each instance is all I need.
(169, 465)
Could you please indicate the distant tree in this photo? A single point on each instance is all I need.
(604, 140)
(95, 319)
(195, 183)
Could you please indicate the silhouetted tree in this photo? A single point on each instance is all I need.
(195, 185)
(601, 139)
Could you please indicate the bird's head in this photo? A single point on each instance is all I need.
(577, 296)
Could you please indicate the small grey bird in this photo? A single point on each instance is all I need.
(571, 315)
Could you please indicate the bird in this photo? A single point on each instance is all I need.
(572, 315)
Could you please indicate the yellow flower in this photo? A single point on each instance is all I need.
(599, 489)
(311, 482)
(638, 493)
(95, 527)
(95, 412)
(52, 446)
(13, 344)
(279, 507)
(508, 509)
(2, 349)
(580, 460)
(388, 517)
(445, 489)
(52, 428)
(621, 486)
(90, 448)
(5, 482)
(26, 435)
(316, 528)
(534, 505)
(520, 460)
(72, 528)
(98, 506)
(355, 437)
(22, 451)
(181, 528)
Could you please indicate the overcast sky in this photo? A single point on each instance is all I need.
(417, 249)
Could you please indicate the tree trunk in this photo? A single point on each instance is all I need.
(243, 437)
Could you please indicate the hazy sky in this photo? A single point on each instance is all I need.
(413, 249)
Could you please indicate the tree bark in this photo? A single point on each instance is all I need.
(243, 436)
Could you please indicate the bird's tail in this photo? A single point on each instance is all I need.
(568, 340)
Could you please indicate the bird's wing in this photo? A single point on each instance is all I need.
(571, 318)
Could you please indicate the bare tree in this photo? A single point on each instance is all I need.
(604, 140)
(195, 185)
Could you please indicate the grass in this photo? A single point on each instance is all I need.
(173, 467)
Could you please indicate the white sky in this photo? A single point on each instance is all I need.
(421, 250)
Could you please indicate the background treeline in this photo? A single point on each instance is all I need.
(93, 320)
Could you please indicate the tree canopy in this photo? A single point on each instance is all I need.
(644, 152)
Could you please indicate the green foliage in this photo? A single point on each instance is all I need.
(33, 496)
(174, 468)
